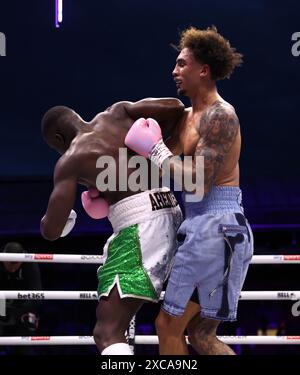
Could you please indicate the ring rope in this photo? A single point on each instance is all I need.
(144, 340)
(98, 259)
(289, 295)
(150, 340)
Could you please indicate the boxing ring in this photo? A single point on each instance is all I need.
(132, 338)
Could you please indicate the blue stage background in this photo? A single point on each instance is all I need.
(120, 50)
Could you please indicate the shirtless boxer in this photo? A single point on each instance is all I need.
(138, 254)
(216, 239)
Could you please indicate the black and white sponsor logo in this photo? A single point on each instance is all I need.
(25, 338)
(88, 296)
(31, 296)
(162, 200)
(286, 295)
(91, 257)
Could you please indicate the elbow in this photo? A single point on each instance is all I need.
(178, 105)
(49, 235)
(47, 232)
(181, 106)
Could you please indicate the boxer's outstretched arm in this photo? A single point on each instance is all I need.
(60, 204)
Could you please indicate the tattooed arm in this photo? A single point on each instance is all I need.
(218, 129)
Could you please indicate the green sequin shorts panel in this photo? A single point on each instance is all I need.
(124, 267)
(138, 258)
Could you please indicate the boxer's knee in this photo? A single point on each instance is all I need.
(167, 325)
(161, 324)
(102, 335)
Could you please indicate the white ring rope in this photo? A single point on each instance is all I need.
(290, 295)
(51, 258)
(98, 259)
(144, 340)
(149, 340)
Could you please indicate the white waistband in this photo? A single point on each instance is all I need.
(141, 207)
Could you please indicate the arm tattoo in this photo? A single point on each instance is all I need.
(218, 128)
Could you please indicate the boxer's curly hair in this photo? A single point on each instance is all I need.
(211, 48)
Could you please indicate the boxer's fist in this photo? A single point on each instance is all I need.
(69, 224)
(94, 206)
(145, 138)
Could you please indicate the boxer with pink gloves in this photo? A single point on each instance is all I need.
(138, 255)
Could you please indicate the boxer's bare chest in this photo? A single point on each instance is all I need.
(189, 132)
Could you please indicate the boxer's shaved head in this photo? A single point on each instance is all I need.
(60, 125)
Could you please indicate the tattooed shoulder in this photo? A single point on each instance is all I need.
(219, 126)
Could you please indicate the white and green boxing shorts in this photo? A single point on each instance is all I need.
(138, 256)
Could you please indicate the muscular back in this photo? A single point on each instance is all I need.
(105, 135)
(102, 137)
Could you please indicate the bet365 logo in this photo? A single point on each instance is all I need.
(296, 46)
(2, 44)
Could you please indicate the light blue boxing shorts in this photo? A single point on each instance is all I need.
(215, 249)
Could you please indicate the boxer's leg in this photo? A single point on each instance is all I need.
(202, 334)
(113, 317)
(170, 330)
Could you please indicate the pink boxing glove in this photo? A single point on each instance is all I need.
(145, 138)
(95, 207)
(93, 192)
